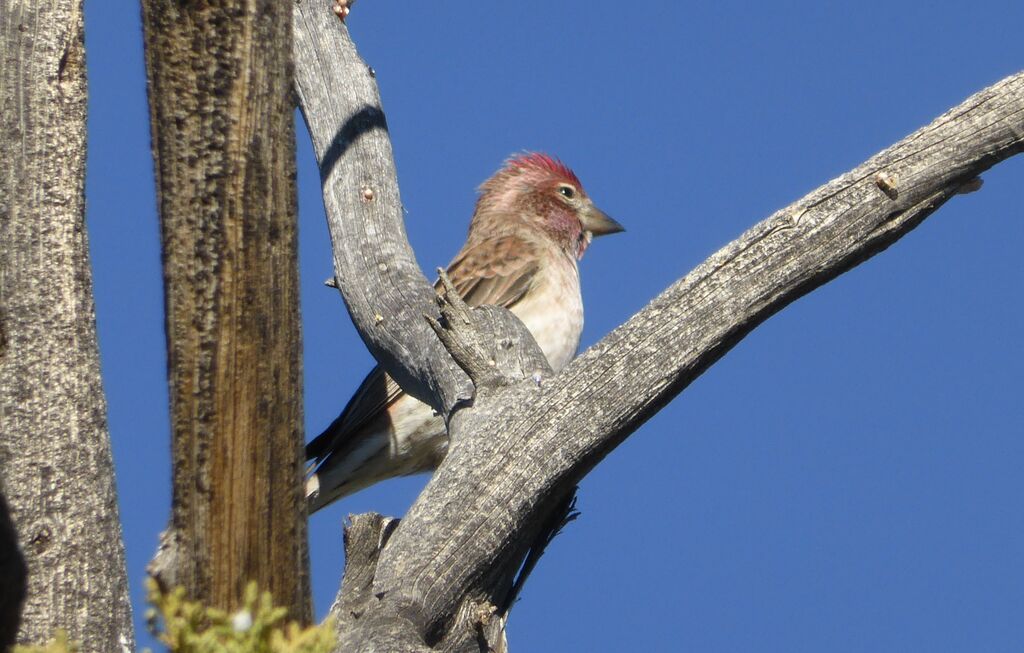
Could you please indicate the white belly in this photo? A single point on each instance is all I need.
(553, 312)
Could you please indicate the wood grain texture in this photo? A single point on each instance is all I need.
(56, 471)
(518, 449)
(223, 138)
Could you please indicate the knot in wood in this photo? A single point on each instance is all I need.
(41, 539)
(886, 182)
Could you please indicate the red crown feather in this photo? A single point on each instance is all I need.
(540, 161)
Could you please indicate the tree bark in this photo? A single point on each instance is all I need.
(56, 471)
(220, 78)
(434, 579)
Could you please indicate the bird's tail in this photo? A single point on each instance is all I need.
(344, 470)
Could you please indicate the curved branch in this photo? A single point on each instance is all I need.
(519, 448)
(375, 269)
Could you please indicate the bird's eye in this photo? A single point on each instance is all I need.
(567, 191)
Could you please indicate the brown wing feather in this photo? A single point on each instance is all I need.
(496, 272)
(375, 393)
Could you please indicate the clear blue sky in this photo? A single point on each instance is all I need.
(847, 479)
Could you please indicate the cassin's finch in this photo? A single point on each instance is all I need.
(533, 221)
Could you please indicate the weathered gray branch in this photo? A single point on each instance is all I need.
(376, 271)
(614, 387)
(518, 448)
(56, 471)
(541, 439)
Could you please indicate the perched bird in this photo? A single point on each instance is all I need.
(533, 222)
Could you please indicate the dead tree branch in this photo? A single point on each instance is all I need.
(520, 447)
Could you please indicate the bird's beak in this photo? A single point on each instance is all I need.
(598, 223)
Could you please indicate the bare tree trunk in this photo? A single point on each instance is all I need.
(438, 579)
(56, 470)
(223, 137)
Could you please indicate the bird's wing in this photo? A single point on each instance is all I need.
(495, 272)
(375, 394)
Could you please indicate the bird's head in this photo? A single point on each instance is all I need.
(542, 194)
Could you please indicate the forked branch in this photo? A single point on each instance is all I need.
(518, 448)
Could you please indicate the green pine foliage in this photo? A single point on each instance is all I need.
(59, 644)
(187, 627)
(258, 627)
